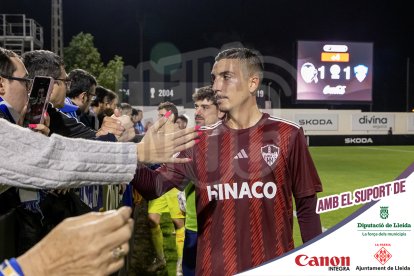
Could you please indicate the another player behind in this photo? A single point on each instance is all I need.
(167, 203)
(206, 113)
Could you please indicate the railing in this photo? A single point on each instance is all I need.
(18, 27)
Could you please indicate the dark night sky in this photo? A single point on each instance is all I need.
(272, 27)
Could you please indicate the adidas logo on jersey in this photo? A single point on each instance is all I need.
(242, 154)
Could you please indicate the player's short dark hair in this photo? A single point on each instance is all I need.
(251, 57)
(82, 81)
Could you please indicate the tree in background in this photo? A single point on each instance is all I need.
(82, 53)
(111, 75)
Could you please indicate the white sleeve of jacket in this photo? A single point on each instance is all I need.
(32, 160)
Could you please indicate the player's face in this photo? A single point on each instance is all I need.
(206, 113)
(57, 98)
(15, 91)
(230, 83)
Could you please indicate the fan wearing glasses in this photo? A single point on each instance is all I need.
(80, 93)
(35, 218)
(46, 63)
(14, 86)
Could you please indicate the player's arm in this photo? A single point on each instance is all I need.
(309, 220)
(154, 183)
(305, 188)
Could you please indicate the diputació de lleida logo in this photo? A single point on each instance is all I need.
(384, 212)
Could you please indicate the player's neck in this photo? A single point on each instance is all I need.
(242, 119)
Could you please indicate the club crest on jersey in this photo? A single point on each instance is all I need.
(270, 154)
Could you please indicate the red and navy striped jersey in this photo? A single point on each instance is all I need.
(244, 181)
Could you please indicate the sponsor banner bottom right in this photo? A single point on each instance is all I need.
(378, 241)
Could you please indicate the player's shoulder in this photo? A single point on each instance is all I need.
(280, 121)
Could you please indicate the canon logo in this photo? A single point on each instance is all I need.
(358, 141)
(315, 122)
(304, 260)
(372, 120)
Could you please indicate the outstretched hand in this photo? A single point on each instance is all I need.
(91, 244)
(110, 125)
(128, 125)
(159, 146)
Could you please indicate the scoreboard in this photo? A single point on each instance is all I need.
(334, 71)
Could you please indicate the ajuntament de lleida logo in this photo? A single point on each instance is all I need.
(384, 212)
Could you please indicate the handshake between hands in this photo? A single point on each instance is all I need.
(161, 141)
(121, 126)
